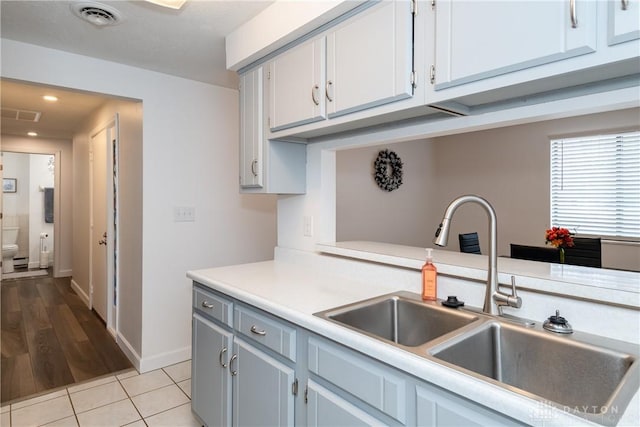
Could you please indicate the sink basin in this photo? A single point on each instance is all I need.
(589, 380)
(402, 318)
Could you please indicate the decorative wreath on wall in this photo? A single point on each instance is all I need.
(388, 170)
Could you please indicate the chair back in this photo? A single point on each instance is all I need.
(535, 253)
(469, 243)
(586, 252)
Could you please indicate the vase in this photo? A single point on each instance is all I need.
(561, 255)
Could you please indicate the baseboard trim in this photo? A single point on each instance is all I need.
(128, 351)
(164, 359)
(81, 293)
(65, 273)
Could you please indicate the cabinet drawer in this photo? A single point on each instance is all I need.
(213, 306)
(365, 379)
(267, 331)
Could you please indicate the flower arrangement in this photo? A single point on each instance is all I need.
(559, 237)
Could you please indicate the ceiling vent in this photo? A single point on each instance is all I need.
(21, 115)
(98, 14)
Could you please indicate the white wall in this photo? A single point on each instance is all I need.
(63, 258)
(508, 166)
(189, 158)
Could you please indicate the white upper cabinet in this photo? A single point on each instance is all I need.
(296, 84)
(624, 21)
(361, 63)
(370, 59)
(251, 128)
(481, 39)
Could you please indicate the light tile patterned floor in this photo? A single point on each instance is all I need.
(157, 398)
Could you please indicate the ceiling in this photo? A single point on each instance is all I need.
(186, 43)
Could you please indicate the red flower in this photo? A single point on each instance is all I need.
(559, 237)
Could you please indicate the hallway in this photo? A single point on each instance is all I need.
(50, 339)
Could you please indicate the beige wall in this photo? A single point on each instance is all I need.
(365, 212)
(507, 166)
(52, 146)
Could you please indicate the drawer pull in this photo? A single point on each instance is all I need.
(222, 352)
(258, 332)
(207, 304)
(233, 358)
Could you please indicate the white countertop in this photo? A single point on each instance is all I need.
(295, 292)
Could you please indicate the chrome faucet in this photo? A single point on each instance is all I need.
(492, 294)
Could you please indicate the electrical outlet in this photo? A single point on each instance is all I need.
(184, 214)
(308, 226)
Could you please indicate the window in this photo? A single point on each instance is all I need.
(595, 184)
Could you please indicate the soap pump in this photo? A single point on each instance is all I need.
(429, 278)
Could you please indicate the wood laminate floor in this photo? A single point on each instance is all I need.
(49, 338)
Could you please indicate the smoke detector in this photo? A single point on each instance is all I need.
(97, 14)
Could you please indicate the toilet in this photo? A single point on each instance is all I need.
(9, 248)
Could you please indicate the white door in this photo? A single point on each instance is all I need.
(297, 85)
(99, 144)
(480, 39)
(370, 59)
(251, 131)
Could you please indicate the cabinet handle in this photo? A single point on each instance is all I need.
(574, 16)
(222, 352)
(255, 330)
(253, 167)
(233, 372)
(207, 304)
(625, 4)
(326, 90)
(314, 89)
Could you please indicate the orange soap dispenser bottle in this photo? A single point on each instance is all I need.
(429, 278)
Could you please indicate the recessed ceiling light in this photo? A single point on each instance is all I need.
(50, 98)
(173, 4)
(32, 134)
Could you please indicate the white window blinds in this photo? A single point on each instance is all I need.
(595, 184)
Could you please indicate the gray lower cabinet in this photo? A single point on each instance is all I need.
(261, 388)
(325, 408)
(243, 369)
(437, 407)
(210, 380)
(250, 368)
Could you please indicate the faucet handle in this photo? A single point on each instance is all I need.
(514, 300)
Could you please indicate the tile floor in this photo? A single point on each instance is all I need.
(156, 398)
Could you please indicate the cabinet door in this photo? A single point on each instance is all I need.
(370, 59)
(624, 21)
(262, 388)
(481, 39)
(210, 382)
(296, 84)
(251, 130)
(328, 409)
(436, 407)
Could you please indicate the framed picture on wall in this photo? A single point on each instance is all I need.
(9, 185)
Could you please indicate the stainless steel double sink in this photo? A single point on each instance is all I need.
(586, 375)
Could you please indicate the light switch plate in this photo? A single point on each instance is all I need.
(184, 214)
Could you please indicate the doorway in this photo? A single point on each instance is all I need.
(30, 203)
(103, 272)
